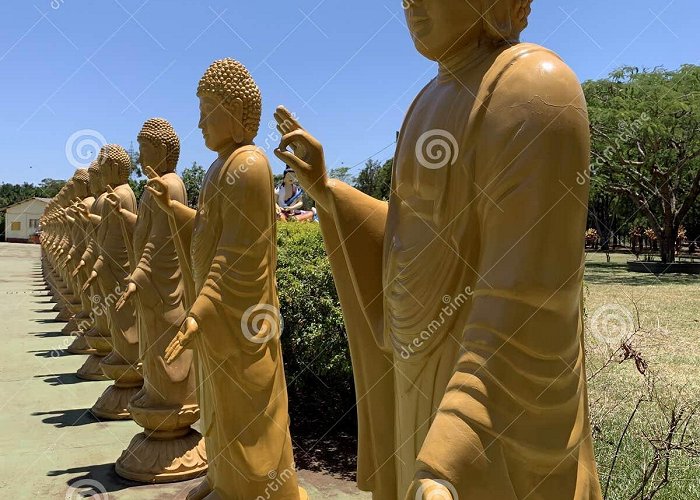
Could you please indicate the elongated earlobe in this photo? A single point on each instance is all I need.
(235, 107)
(499, 20)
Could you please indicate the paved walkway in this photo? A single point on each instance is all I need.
(50, 445)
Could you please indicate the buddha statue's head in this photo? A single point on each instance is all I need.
(159, 145)
(115, 165)
(68, 193)
(440, 28)
(81, 183)
(96, 186)
(229, 105)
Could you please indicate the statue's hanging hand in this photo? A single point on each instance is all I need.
(306, 156)
(128, 293)
(182, 340)
(158, 189)
(425, 488)
(89, 281)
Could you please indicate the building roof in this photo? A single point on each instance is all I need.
(43, 200)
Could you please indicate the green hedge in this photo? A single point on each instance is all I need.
(314, 341)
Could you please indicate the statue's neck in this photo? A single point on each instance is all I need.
(467, 58)
(224, 153)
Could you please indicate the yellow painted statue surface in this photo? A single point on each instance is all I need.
(462, 296)
(233, 323)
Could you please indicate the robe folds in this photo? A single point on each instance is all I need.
(112, 266)
(160, 301)
(242, 391)
(462, 296)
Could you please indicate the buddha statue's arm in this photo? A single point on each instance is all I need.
(156, 229)
(241, 270)
(518, 387)
(352, 223)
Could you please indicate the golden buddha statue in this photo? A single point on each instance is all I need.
(168, 449)
(96, 340)
(78, 242)
(229, 246)
(111, 269)
(462, 295)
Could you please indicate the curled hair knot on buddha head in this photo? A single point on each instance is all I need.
(81, 175)
(226, 80)
(120, 159)
(160, 131)
(504, 20)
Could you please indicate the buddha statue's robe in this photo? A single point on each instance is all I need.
(242, 390)
(160, 303)
(100, 326)
(80, 239)
(112, 266)
(462, 296)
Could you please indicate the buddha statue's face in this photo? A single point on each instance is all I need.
(290, 179)
(220, 126)
(440, 28)
(153, 154)
(81, 188)
(95, 182)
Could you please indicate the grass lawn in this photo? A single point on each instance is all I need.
(663, 370)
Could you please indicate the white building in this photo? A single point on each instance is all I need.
(22, 219)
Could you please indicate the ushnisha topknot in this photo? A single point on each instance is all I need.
(227, 79)
(117, 154)
(159, 130)
(81, 174)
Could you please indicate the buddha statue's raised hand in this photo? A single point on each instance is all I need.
(113, 199)
(306, 156)
(158, 189)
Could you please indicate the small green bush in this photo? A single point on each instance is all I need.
(316, 356)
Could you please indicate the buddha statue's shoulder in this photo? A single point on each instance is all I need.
(248, 165)
(530, 74)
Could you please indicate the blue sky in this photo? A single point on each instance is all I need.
(347, 69)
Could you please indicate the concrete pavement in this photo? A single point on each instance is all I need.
(50, 444)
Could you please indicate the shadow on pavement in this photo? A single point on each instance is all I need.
(54, 353)
(67, 418)
(62, 378)
(94, 481)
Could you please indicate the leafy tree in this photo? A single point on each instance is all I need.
(342, 174)
(193, 177)
(137, 179)
(645, 127)
(375, 179)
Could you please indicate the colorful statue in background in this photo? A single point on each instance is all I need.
(290, 199)
(464, 319)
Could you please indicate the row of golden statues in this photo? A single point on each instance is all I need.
(464, 318)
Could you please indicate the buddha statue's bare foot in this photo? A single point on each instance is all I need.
(200, 491)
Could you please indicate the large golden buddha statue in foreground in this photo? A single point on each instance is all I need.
(462, 296)
(227, 249)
